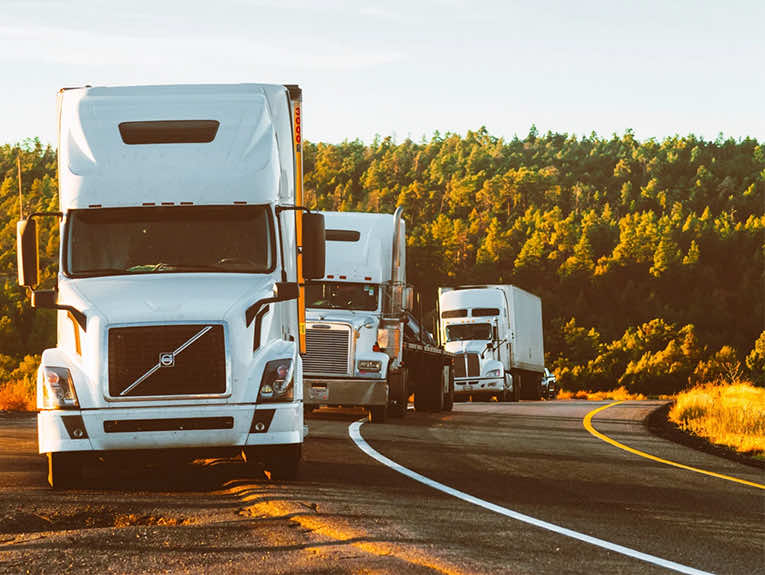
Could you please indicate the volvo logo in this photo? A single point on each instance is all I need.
(167, 359)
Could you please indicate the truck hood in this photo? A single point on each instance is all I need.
(467, 346)
(166, 297)
(355, 318)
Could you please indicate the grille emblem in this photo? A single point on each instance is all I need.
(167, 359)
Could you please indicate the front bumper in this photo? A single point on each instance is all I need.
(464, 386)
(362, 392)
(114, 429)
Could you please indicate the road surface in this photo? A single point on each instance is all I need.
(491, 488)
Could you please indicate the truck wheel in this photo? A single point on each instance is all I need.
(420, 401)
(377, 414)
(516, 396)
(283, 463)
(64, 469)
(430, 393)
(399, 392)
(449, 395)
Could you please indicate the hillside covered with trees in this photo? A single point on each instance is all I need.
(648, 256)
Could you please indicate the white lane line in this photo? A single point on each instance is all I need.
(354, 430)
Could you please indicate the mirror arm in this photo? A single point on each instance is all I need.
(254, 310)
(281, 208)
(39, 303)
(51, 214)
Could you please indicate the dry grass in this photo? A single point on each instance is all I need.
(618, 394)
(17, 396)
(731, 414)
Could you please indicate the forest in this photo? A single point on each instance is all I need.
(648, 255)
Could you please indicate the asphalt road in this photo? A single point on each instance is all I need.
(349, 513)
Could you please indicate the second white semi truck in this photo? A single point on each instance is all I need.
(365, 347)
(496, 333)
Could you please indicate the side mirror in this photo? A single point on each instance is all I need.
(46, 299)
(314, 247)
(26, 252)
(284, 291)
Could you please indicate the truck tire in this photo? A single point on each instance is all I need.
(506, 394)
(283, 463)
(516, 396)
(449, 395)
(280, 461)
(429, 395)
(64, 469)
(398, 387)
(377, 413)
(532, 386)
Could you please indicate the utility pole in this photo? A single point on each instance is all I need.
(21, 204)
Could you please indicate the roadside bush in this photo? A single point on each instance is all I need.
(17, 388)
(731, 414)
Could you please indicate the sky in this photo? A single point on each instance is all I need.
(409, 68)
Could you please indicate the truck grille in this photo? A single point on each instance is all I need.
(467, 365)
(327, 350)
(166, 360)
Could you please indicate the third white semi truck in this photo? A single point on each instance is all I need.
(496, 333)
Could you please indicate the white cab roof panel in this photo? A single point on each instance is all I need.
(370, 256)
(250, 158)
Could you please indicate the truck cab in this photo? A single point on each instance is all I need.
(473, 325)
(183, 250)
(354, 313)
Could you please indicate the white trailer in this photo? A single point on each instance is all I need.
(365, 347)
(179, 292)
(496, 333)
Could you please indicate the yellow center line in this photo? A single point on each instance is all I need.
(587, 422)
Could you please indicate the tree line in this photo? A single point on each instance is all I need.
(648, 255)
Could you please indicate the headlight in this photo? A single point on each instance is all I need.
(58, 389)
(494, 373)
(369, 365)
(276, 384)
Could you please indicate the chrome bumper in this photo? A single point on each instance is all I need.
(362, 392)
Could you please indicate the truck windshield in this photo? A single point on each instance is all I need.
(341, 295)
(468, 331)
(117, 241)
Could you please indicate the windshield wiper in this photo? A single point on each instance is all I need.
(166, 267)
(101, 272)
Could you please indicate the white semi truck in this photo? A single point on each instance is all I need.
(496, 333)
(365, 346)
(180, 283)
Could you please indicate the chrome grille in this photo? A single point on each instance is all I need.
(467, 365)
(327, 350)
(135, 368)
(474, 366)
(459, 365)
